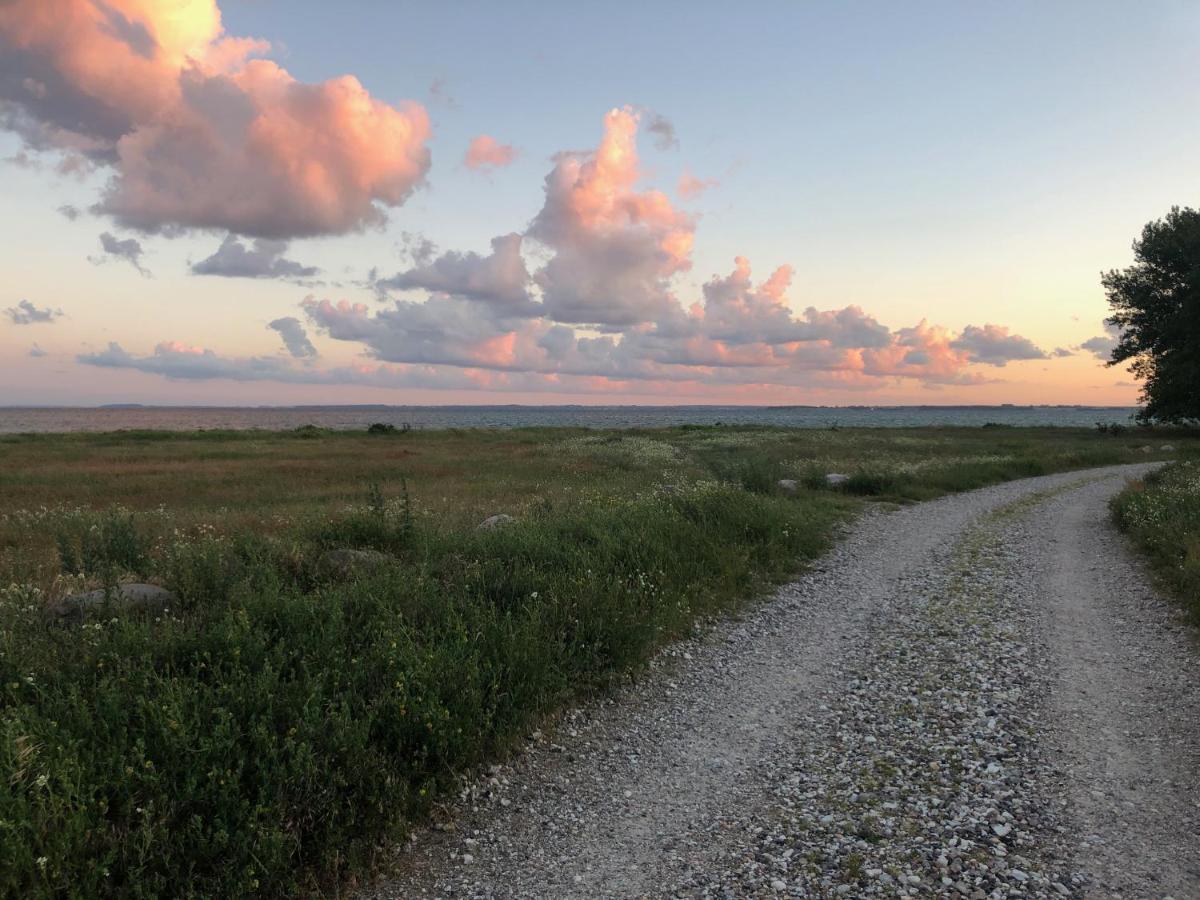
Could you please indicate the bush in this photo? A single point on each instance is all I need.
(1162, 515)
(870, 484)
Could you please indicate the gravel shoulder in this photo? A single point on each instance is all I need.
(977, 696)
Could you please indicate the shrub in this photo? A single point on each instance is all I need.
(1162, 515)
(870, 484)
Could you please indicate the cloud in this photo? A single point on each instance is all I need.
(25, 313)
(664, 132)
(485, 152)
(69, 212)
(36, 352)
(690, 186)
(263, 259)
(197, 131)
(295, 339)
(499, 280)
(615, 248)
(1062, 352)
(129, 249)
(993, 345)
(738, 312)
(1103, 345)
(585, 301)
(439, 94)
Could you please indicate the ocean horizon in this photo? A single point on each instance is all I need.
(134, 416)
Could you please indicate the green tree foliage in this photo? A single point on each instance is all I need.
(1156, 307)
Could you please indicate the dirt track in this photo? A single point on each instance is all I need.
(975, 697)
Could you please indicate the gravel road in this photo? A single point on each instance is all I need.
(975, 697)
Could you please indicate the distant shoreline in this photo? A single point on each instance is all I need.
(132, 417)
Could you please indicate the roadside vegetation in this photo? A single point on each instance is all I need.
(285, 720)
(1162, 515)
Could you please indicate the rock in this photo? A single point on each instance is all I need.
(345, 562)
(1146, 449)
(142, 598)
(496, 521)
(1167, 448)
(836, 478)
(787, 485)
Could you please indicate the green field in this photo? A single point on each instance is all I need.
(284, 723)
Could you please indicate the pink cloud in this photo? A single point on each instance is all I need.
(615, 248)
(198, 133)
(485, 152)
(691, 187)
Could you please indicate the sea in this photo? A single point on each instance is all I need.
(16, 420)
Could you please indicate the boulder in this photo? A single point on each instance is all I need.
(141, 598)
(1167, 448)
(836, 478)
(345, 563)
(492, 522)
(787, 485)
(1146, 449)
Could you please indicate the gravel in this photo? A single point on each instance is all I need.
(975, 697)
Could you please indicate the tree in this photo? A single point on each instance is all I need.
(1156, 307)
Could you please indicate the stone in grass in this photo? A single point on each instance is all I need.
(787, 485)
(141, 598)
(345, 563)
(1167, 448)
(835, 478)
(493, 522)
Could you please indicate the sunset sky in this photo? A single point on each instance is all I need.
(309, 202)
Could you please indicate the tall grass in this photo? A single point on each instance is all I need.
(265, 737)
(1162, 515)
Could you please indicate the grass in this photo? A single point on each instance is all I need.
(1161, 513)
(285, 724)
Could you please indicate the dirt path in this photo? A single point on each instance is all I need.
(975, 697)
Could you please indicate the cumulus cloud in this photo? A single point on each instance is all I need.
(993, 345)
(36, 352)
(500, 279)
(691, 187)
(615, 248)
(1062, 352)
(69, 212)
(585, 301)
(262, 259)
(130, 250)
(199, 132)
(485, 152)
(25, 313)
(295, 338)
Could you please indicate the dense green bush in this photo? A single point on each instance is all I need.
(1162, 514)
(277, 728)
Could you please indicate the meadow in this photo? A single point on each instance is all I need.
(282, 725)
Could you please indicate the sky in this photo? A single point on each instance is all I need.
(257, 202)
